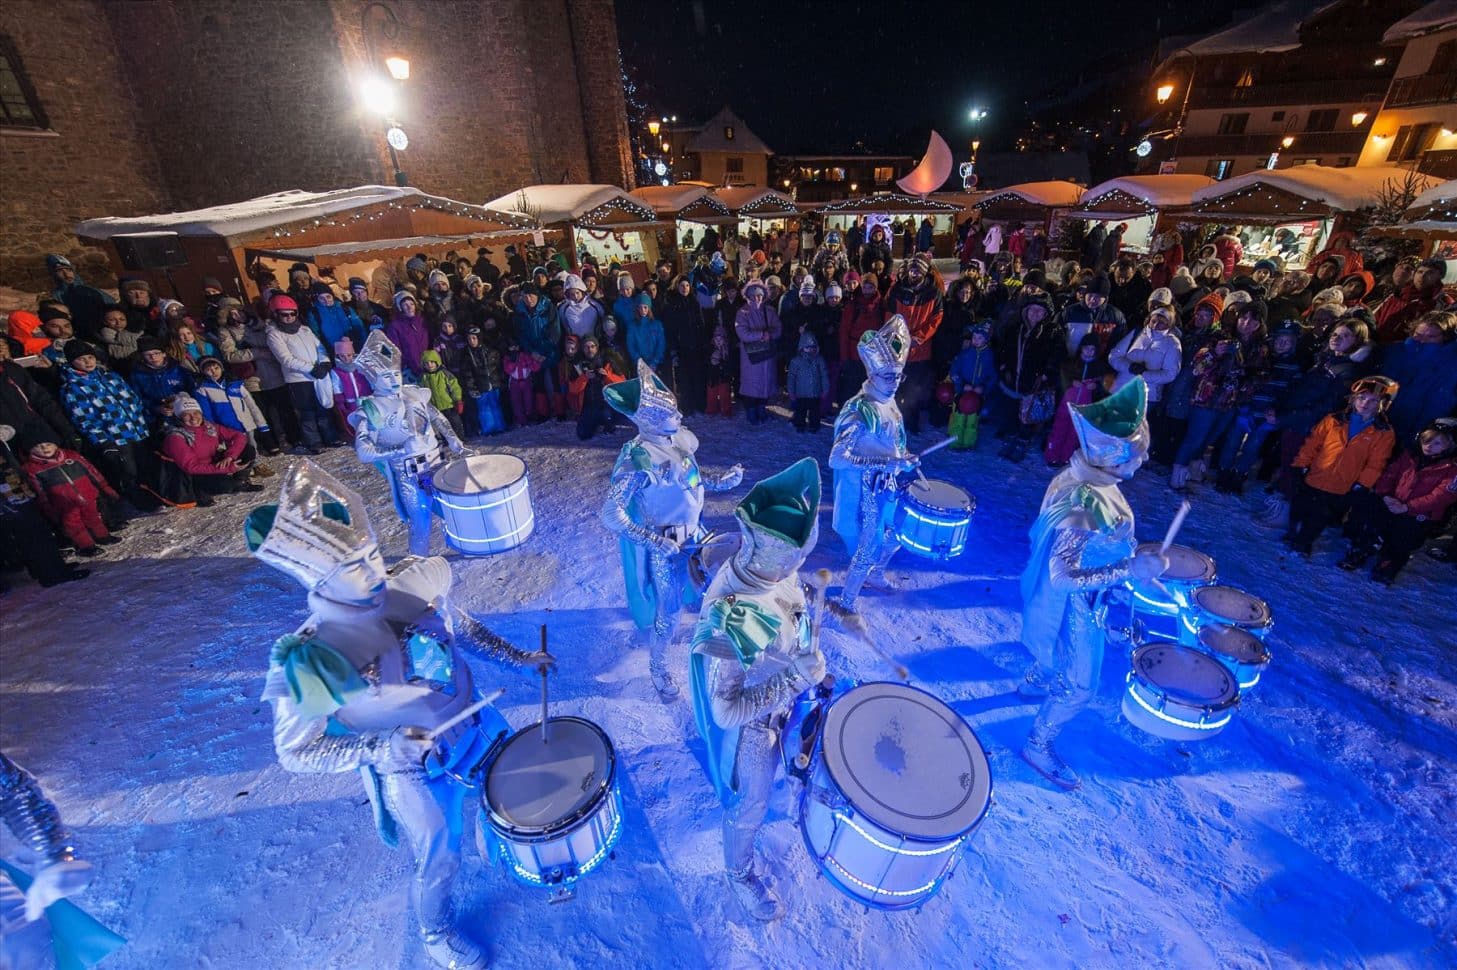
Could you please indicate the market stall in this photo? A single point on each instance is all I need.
(891, 209)
(759, 210)
(1290, 213)
(1141, 201)
(601, 223)
(364, 231)
(686, 212)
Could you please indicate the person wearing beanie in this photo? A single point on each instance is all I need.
(1181, 284)
(1168, 258)
(28, 407)
(86, 303)
(229, 403)
(807, 380)
(349, 386)
(973, 375)
(758, 328)
(580, 314)
(305, 369)
(488, 271)
(1225, 376)
(408, 332)
(830, 260)
(371, 315)
(24, 529)
(1093, 314)
(482, 379)
(646, 340)
(203, 459)
(1407, 505)
(1152, 352)
(917, 298)
(331, 320)
(68, 489)
(1200, 330)
(1030, 356)
(876, 248)
(139, 303)
(111, 419)
(862, 314)
(1084, 375)
(25, 329)
(538, 328)
(1397, 314)
(1259, 417)
(156, 378)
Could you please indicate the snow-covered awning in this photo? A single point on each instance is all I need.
(694, 203)
(885, 203)
(1428, 19)
(1272, 30)
(263, 216)
(597, 206)
(371, 249)
(1297, 193)
(1139, 195)
(1054, 194)
(1441, 199)
(1432, 215)
(754, 203)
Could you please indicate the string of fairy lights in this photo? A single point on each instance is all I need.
(888, 204)
(373, 212)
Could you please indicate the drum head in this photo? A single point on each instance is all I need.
(1241, 646)
(1186, 675)
(907, 761)
(1232, 605)
(1185, 565)
(479, 473)
(535, 786)
(936, 494)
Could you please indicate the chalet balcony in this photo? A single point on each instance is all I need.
(1307, 143)
(1418, 89)
(1294, 93)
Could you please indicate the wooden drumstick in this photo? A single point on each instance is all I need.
(936, 447)
(855, 625)
(1174, 527)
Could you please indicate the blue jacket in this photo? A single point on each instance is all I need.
(807, 375)
(1427, 374)
(103, 408)
(646, 341)
(538, 330)
(977, 368)
(624, 311)
(334, 323)
(155, 386)
(225, 402)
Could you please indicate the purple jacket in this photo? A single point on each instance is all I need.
(409, 334)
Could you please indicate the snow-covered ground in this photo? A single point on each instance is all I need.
(1314, 831)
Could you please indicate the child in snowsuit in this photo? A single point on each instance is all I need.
(483, 379)
(444, 388)
(520, 368)
(719, 375)
(1084, 376)
(229, 404)
(807, 382)
(349, 384)
(568, 370)
(971, 372)
(68, 488)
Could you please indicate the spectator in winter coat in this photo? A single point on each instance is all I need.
(877, 248)
(156, 378)
(917, 298)
(445, 391)
(110, 417)
(30, 409)
(187, 348)
(1402, 275)
(1152, 352)
(1290, 300)
(758, 328)
(215, 460)
(371, 315)
(118, 339)
(1225, 377)
(1356, 287)
(229, 334)
(140, 306)
(1084, 376)
(595, 372)
(1257, 282)
(1168, 258)
(86, 303)
(624, 307)
(272, 392)
(1398, 312)
(645, 338)
(1260, 417)
(1030, 352)
(973, 372)
(302, 359)
(830, 261)
(349, 385)
(580, 314)
(1229, 251)
(24, 531)
(450, 345)
(720, 370)
(1093, 314)
(539, 333)
(1129, 291)
(229, 404)
(68, 488)
(1425, 364)
(520, 370)
(807, 380)
(482, 380)
(1407, 504)
(332, 321)
(687, 338)
(26, 331)
(408, 332)
(1345, 454)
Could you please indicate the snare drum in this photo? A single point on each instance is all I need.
(897, 786)
(1226, 606)
(485, 501)
(1241, 651)
(553, 807)
(1153, 613)
(934, 518)
(1178, 692)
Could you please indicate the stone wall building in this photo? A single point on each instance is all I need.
(127, 107)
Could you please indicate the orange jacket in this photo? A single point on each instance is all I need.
(1336, 464)
(25, 328)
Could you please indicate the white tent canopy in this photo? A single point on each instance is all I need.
(669, 200)
(1157, 191)
(1055, 194)
(574, 203)
(1341, 189)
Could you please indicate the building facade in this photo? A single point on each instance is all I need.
(126, 107)
(1417, 124)
(825, 178)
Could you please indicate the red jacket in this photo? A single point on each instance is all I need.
(1399, 311)
(65, 479)
(922, 307)
(196, 450)
(860, 315)
(1426, 492)
(1229, 251)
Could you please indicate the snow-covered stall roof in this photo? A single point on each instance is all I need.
(696, 203)
(368, 249)
(1443, 194)
(583, 204)
(1431, 215)
(1053, 194)
(255, 216)
(757, 203)
(888, 203)
(1139, 195)
(1435, 16)
(1303, 191)
(1270, 31)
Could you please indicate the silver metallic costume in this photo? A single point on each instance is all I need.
(868, 452)
(654, 506)
(376, 666)
(753, 655)
(399, 430)
(1082, 543)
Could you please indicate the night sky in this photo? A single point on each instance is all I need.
(818, 77)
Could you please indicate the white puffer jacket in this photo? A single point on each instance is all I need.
(297, 353)
(1158, 351)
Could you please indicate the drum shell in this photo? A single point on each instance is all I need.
(1247, 670)
(485, 522)
(930, 531)
(1144, 702)
(1197, 617)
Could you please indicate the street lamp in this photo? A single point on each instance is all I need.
(1287, 141)
(399, 67)
(653, 128)
(1358, 119)
(378, 95)
(1165, 91)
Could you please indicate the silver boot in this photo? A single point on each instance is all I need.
(1041, 755)
(451, 951)
(754, 895)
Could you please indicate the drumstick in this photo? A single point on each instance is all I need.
(854, 624)
(542, 667)
(936, 447)
(819, 581)
(489, 699)
(1174, 527)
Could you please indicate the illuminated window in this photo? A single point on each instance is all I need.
(1247, 79)
(1411, 141)
(728, 132)
(1218, 168)
(19, 107)
(835, 174)
(884, 173)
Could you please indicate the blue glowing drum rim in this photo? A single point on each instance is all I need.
(485, 502)
(553, 807)
(934, 518)
(1245, 654)
(1226, 606)
(897, 785)
(1179, 692)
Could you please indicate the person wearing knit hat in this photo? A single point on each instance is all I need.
(86, 303)
(1093, 313)
(203, 459)
(916, 297)
(1161, 297)
(68, 488)
(830, 261)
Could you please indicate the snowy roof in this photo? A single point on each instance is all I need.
(1339, 189)
(1438, 15)
(1053, 194)
(369, 248)
(670, 200)
(281, 208)
(712, 137)
(756, 202)
(885, 202)
(573, 203)
(1446, 192)
(1158, 191)
(1274, 29)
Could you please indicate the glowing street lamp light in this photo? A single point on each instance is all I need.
(377, 95)
(976, 114)
(1358, 119)
(1286, 142)
(653, 128)
(1165, 91)
(399, 67)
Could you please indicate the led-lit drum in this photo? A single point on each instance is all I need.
(934, 518)
(1226, 606)
(485, 501)
(897, 786)
(1241, 651)
(1178, 692)
(1152, 612)
(553, 807)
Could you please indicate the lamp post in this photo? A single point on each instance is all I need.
(975, 116)
(378, 95)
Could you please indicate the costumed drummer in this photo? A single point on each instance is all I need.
(38, 922)
(375, 667)
(1082, 544)
(400, 431)
(753, 655)
(654, 507)
(868, 453)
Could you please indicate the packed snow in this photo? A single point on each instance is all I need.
(1314, 831)
(1343, 189)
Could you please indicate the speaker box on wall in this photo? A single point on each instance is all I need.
(153, 250)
